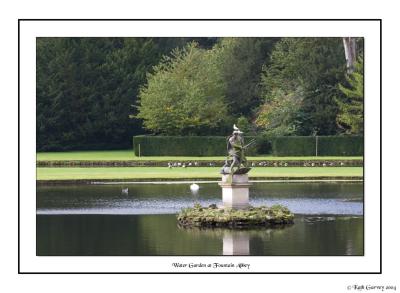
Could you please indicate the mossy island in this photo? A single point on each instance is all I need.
(212, 216)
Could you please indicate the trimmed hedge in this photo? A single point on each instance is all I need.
(341, 146)
(327, 146)
(191, 145)
(293, 146)
(56, 147)
(278, 146)
(179, 145)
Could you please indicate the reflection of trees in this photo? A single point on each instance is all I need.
(159, 235)
(88, 235)
(163, 238)
(343, 236)
(256, 232)
(235, 241)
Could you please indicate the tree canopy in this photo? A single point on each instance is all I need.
(300, 87)
(185, 94)
(86, 88)
(96, 93)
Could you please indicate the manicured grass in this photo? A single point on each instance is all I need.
(123, 155)
(200, 172)
(86, 155)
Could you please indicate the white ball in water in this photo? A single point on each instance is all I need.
(194, 187)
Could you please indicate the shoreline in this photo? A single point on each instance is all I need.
(284, 162)
(197, 180)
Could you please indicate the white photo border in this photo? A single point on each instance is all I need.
(369, 29)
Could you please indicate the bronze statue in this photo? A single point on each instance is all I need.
(236, 162)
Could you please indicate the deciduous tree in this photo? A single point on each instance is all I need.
(185, 93)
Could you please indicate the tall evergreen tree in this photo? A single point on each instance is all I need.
(351, 107)
(242, 63)
(86, 88)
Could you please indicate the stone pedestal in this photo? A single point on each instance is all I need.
(235, 193)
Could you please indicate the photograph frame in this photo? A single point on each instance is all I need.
(224, 20)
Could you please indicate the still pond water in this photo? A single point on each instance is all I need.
(102, 220)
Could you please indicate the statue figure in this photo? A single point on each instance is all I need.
(236, 162)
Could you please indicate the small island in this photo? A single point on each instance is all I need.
(236, 211)
(212, 216)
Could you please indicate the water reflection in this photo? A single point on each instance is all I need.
(102, 220)
(236, 243)
(159, 235)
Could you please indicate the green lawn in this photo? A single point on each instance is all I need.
(129, 155)
(200, 172)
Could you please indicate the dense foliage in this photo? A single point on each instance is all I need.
(204, 91)
(96, 93)
(242, 60)
(86, 89)
(351, 107)
(300, 87)
(185, 95)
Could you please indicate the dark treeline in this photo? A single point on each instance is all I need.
(96, 93)
(88, 87)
